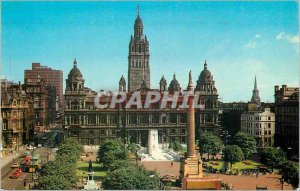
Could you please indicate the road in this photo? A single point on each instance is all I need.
(18, 184)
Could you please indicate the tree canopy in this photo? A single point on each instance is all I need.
(130, 177)
(209, 144)
(290, 173)
(233, 154)
(111, 150)
(246, 142)
(60, 174)
(273, 157)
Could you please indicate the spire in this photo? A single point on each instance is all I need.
(174, 76)
(205, 65)
(255, 84)
(190, 78)
(255, 95)
(75, 63)
(190, 85)
(138, 9)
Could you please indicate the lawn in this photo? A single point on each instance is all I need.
(243, 166)
(239, 165)
(218, 166)
(82, 169)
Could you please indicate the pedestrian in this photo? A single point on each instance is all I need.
(171, 163)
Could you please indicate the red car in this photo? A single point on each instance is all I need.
(16, 174)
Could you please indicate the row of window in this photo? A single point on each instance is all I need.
(131, 119)
(106, 132)
(246, 124)
(256, 118)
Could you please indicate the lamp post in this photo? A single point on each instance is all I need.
(225, 135)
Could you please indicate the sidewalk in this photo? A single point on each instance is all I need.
(9, 157)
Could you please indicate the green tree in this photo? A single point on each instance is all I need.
(120, 163)
(209, 144)
(246, 142)
(272, 157)
(233, 154)
(290, 173)
(111, 150)
(132, 147)
(176, 146)
(60, 174)
(131, 178)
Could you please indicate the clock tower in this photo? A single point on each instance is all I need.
(138, 59)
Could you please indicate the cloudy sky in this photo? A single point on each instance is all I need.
(237, 39)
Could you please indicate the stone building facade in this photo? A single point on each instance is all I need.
(287, 118)
(92, 125)
(207, 119)
(260, 124)
(13, 110)
(42, 103)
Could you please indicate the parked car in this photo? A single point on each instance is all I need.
(15, 165)
(39, 145)
(16, 174)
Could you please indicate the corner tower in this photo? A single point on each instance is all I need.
(138, 59)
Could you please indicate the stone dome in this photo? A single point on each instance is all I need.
(205, 75)
(174, 85)
(163, 80)
(75, 72)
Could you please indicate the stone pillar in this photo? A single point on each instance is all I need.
(191, 124)
(152, 141)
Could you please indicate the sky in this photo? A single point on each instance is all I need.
(238, 40)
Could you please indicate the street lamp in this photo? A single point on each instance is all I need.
(225, 135)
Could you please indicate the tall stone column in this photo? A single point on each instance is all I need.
(191, 120)
(191, 166)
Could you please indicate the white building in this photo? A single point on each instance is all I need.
(260, 124)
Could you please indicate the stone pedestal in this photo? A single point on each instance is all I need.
(204, 183)
(191, 167)
(152, 141)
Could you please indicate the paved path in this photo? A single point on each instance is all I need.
(238, 182)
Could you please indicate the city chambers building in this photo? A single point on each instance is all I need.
(91, 125)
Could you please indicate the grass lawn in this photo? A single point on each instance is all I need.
(239, 165)
(82, 169)
(218, 166)
(243, 166)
